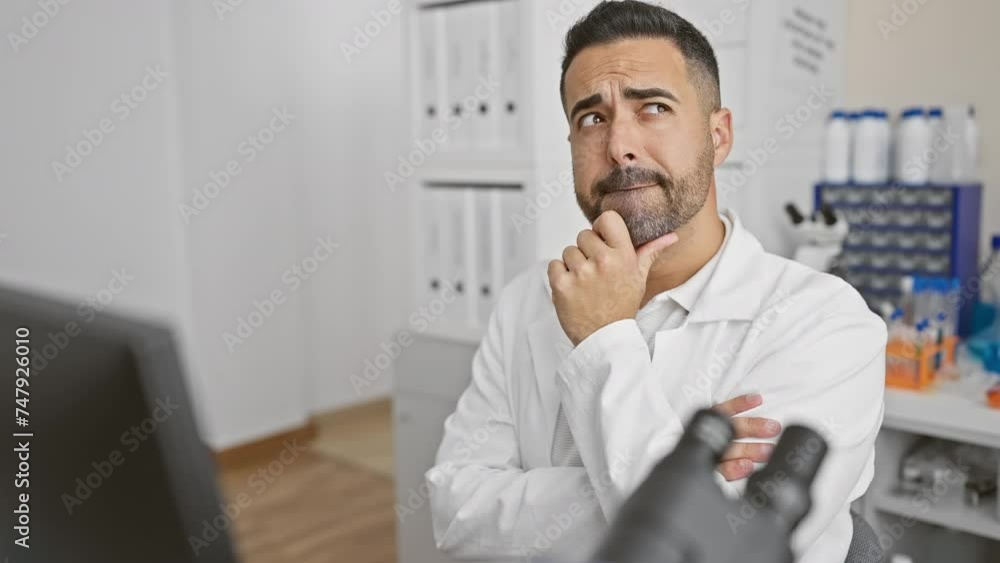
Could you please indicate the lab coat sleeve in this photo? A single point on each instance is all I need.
(617, 411)
(484, 505)
(828, 374)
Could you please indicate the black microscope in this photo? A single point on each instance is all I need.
(680, 515)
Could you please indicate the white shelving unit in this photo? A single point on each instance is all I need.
(938, 520)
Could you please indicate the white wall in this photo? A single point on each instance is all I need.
(941, 54)
(356, 113)
(237, 70)
(320, 177)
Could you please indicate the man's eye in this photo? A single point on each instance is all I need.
(590, 119)
(655, 108)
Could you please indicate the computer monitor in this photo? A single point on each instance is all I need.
(109, 466)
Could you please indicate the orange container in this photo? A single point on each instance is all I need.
(908, 367)
(993, 397)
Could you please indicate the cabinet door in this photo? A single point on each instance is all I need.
(419, 426)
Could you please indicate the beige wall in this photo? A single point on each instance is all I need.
(946, 52)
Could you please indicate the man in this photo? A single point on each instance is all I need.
(592, 363)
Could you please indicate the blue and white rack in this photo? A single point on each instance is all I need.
(898, 230)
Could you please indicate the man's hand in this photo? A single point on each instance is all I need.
(602, 279)
(737, 462)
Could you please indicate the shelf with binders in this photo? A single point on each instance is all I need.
(485, 90)
(898, 230)
(475, 232)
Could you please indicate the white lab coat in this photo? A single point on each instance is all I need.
(805, 340)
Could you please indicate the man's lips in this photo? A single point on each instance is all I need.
(639, 187)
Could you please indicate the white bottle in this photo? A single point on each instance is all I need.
(913, 138)
(884, 147)
(971, 146)
(837, 162)
(867, 156)
(940, 160)
(955, 120)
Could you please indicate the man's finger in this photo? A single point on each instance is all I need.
(756, 427)
(612, 229)
(573, 258)
(556, 269)
(754, 451)
(743, 403)
(590, 243)
(735, 469)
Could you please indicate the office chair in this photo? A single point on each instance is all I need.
(865, 547)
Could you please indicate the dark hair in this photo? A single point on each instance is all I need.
(609, 22)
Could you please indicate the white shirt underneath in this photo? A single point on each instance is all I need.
(665, 311)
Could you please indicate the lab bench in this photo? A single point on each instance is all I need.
(937, 526)
(898, 230)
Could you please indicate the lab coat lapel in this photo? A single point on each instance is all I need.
(549, 345)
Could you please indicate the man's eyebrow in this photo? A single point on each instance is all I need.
(630, 93)
(585, 103)
(646, 93)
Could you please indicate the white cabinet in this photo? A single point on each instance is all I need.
(419, 421)
(429, 378)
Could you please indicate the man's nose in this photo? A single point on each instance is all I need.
(623, 142)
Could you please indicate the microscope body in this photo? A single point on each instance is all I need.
(680, 515)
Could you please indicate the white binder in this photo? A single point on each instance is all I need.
(486, 236)
(510, 71)
(486, 41)
(433, 241)
(460, 69)
(431, 103)
(458, 220)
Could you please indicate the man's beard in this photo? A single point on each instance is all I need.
(650, 213)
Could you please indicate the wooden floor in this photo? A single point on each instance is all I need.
(320, 507)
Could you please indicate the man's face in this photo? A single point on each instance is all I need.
(640, 136)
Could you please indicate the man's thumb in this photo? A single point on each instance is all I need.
(648, 252)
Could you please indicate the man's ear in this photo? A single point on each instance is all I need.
(721, 126)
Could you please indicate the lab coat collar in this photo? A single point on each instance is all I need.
(738, 285)
(686, 295)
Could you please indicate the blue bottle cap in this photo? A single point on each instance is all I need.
(838, 114)
(912, 112)
(936, 112)
(996, 242)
